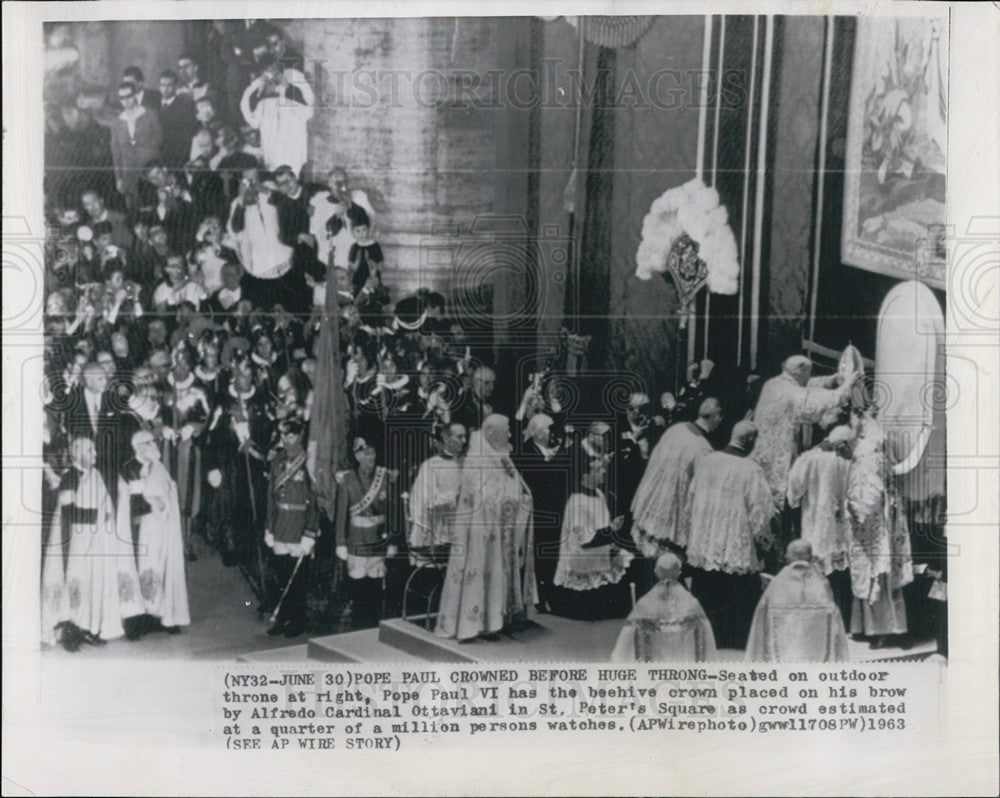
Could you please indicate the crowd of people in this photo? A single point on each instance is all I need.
(186, 294)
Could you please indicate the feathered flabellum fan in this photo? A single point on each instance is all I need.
(686, 233)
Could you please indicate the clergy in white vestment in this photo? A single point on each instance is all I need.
(786, 402)
(90, 587)
(490, 583)
(160, 549)
(817, 482)
(279, 103)
(667, 624)
(729, 514)
(588, 581)
(433, 500)
(658, 505)
(350, 206)
(880, 557)
(797, 619)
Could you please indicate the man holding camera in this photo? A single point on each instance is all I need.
(279, 103)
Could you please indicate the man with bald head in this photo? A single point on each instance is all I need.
(667, 624)
(817, 482)
(728, 518)
(797, 619)
(659, 501)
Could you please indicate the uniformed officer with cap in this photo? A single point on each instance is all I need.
(364, 539)
(292, 523)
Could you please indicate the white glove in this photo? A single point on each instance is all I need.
(392, 551)
(187, 431)
(242, 430)
(307, 543)
(51, 478)
(342, 553)
(215, 477)
(169, 433)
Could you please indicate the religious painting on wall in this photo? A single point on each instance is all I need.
(895, 174)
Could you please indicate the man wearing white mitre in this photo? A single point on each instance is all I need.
(490, 581)
(658, 506)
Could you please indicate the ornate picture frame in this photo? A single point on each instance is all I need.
(895, 168)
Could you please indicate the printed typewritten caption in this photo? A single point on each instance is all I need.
(349, 708)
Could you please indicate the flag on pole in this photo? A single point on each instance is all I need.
(327, 451)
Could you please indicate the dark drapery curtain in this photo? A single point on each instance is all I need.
(594, 289)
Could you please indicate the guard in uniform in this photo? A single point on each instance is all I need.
(363, 538)
(292, 521)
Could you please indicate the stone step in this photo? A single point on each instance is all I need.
(362, 646)
(547, 639)
(295, 653)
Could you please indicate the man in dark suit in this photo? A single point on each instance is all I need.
(472, 405)
(91, 413)
(136, 139)
(147, 98)
(176, 121)
(545, 467)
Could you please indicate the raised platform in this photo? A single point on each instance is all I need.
(298, 653)
(548, 639)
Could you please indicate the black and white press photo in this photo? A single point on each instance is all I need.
(606, 399)
(496, 339)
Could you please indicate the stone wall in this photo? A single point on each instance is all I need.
(404, 105)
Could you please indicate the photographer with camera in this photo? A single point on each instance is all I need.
(279, 103)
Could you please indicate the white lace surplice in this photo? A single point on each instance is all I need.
(818, 481)
(586, 569)
(729, 508)
(658, 506)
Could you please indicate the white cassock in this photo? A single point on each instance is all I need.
(161, 550)
(818, 481)
(658, 506)
(586, 569)
(729, 512)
